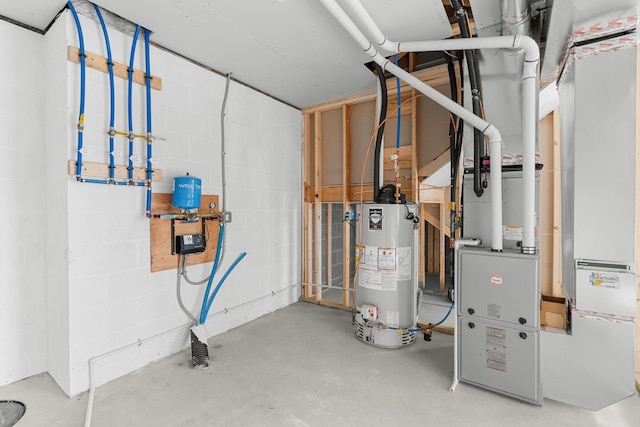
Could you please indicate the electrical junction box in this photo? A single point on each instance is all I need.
(190, 244)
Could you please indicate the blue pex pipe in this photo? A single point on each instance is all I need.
(210, 302)
(446, 315)
(112, 108)
(204, 310)
(129, 100)
(149, 135)
(82, 90)
(395, 61)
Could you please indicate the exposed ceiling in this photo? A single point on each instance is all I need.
(294, 50)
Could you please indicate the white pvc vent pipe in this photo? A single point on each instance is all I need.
(529, 88)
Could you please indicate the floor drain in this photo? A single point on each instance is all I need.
(11, 412)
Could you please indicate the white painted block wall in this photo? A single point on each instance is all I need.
(100, 294)
(22, 253)
(113, 298)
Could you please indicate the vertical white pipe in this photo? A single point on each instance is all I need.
(529, 123)
(495, 154)
(529, 119)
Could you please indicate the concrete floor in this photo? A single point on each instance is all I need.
(301, 366)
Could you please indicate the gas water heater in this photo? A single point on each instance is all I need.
(386, 299)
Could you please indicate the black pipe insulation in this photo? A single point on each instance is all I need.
(381, 122)
(474, 80)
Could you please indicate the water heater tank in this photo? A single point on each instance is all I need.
(186, 192)
(385, 313)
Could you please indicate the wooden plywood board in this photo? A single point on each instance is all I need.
(362, 124)
(161, 257)
(433, 76)
(404, 157)
(332, 136)
(101, 170)
(334, 194)
(432, 128)
(100, 63)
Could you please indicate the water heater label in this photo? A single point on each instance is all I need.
(387, 258)
(393, 318)
(369, 256)
(404, 263)
(376, 279)
(375, 219)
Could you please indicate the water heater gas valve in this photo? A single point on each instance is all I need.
(369, 312)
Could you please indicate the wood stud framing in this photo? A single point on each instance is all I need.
(307, 289)
(318, 204)
(317, 195)
(346, 204)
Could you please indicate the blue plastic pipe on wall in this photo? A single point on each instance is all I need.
(147, 78)
(112, 110)
(203, 309)
(395, 61)
(82, 91)
(129, 104)
(203, 316)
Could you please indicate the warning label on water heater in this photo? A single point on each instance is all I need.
(404, 263)
(376, 279)
(387, 258)
(369, 256)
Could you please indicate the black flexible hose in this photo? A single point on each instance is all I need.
(453, 87)
(474, 80)
(459, 136)
(379, 135)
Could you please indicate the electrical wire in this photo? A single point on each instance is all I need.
(181, 260)
(186, 278)
(223, 163)
(398, 126)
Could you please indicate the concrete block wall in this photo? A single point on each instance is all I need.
(22, 191)
(113, 298)
(85, 289)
